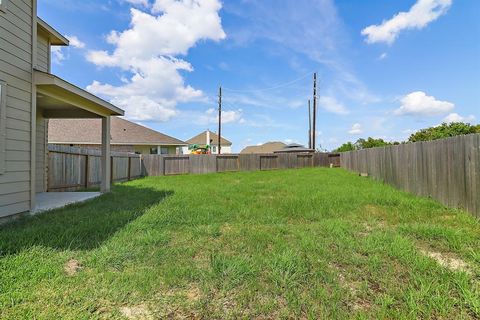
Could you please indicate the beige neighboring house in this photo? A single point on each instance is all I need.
(126, 136)
(29, 95)
(209, 138)
(269, 147)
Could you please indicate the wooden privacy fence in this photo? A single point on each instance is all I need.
(447, 170)
(71, 169)
(164, 165)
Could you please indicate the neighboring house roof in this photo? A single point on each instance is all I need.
(268, 147)
(293, 148)
(202, 138)
(123, 132)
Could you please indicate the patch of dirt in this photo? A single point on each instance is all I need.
(136, 312)
(72, 267)
(193, 293)
(361, 305)
(447, 261)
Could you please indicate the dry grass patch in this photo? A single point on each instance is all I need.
(72, 267)
(448, 261)
(355, 303)
(140, 312)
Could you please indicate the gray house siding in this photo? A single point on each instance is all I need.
(16, 71)
(43, 54)
(41, 154)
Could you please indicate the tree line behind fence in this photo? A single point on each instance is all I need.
(447, 170)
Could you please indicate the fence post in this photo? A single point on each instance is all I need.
(164, 161)
(129, 166)
(112, 170)
(87, 170)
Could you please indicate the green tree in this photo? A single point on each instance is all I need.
(444, 130)
(364, 144)
(346, 147)
(371, 143)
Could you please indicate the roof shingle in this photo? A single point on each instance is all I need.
(202, 138)
(123, 132)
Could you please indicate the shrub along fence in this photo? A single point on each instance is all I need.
(447, 170)
(158, 165)
(71, 169)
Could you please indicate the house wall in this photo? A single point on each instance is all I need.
(16, 70)
(41, 154)
(146, 149)
(43, 53)
(225, 150)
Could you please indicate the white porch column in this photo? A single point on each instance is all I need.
(159, 150)
(106, 165)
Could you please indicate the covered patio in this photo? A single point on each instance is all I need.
(59, 99)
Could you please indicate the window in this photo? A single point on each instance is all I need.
(214, 149)
(3, 5)
(154, 150)
(3, 119)
(164, 150)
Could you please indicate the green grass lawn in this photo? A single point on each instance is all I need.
(309, 243)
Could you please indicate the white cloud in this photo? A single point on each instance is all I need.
(232, 116)
(419, 16)
(57, 54)
(356, 129)
(147, 52)
(382, 56)
(455, 117)
(418, 103)
(330, 104)
(75, 42)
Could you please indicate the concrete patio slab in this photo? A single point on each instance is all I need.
(54, 200)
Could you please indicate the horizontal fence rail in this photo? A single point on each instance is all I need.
(71, 169)
(164, 165)
(447, 170)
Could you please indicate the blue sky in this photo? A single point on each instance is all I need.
(386, 68)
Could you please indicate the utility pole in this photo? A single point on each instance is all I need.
(220, 121)
(314, 129)
(309, 125)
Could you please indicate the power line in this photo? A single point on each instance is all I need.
(286, 84)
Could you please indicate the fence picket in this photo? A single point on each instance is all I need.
(447, 170)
